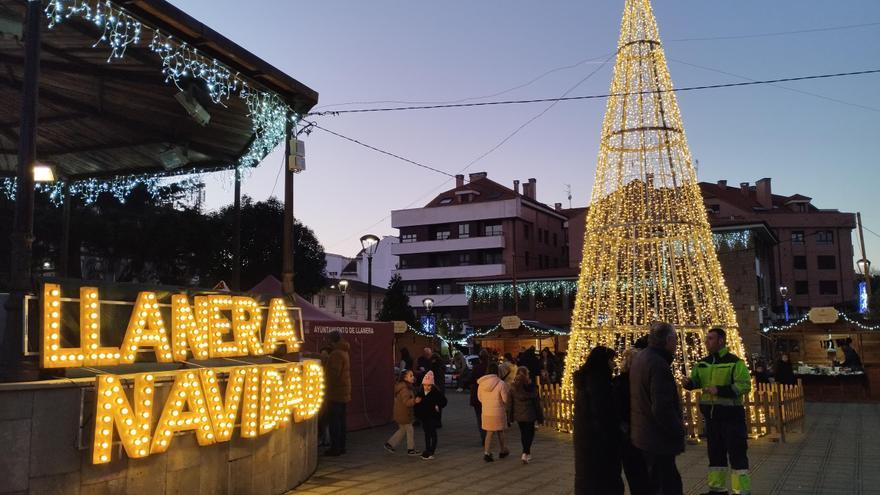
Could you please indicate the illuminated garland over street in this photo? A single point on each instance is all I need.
(648, 251)
(179, 62)
(805, 318)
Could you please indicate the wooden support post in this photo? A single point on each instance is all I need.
(64, 251)
(777, 405)
(21, 253)
(287, 232)
(236, 234)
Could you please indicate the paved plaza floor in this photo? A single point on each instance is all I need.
(838, 453)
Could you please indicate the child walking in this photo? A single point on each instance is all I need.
(404, 401)
(430, 401)
(526, 410)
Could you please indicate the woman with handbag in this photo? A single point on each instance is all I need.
(526, 410)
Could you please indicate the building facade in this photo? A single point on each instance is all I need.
(331, 300)
(813, 258)
(477, 229)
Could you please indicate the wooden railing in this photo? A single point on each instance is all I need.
(771, 409)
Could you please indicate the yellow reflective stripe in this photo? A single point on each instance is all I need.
(741, 482)
(717, 478)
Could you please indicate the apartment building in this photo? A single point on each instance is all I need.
(813, 258)
(479, 228)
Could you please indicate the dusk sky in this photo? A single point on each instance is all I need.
(824, 145)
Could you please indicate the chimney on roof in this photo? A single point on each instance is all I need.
(744, 188)
(531, 192)
(516, 187)
(722, 183)
(557, 206)
(762, 190)
(459, 180)
(477, 176)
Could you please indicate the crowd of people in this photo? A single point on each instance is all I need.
(629, 425)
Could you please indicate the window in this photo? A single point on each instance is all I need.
(403, 262)
(408, 238)
(445, 201)
(464, 230)
(444, 289)
(410, 289)
(540, 235)
(322, 301)
(828, 287)
(827, 263)
(492, 258)
(527, 258)
(442, 235)
(555, 239)
(800, 262)
(491, 230)
(825, 237)
(441, 260)
(540, 261)
(797, 236)
(555, 262)
(527, 230)
(801, 288)
(464, 259)
(339, 301)
(713, 208)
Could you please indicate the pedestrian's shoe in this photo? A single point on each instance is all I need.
(503, 454)
(388, 447)
(413, 452)
(525, 459)
(427, 456)
(488, 457)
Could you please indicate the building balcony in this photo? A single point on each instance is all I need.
(451, 272)
(440, 300)
(466, 244)
(470, 212)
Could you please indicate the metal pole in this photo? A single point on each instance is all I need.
(343, 304)
(515, 292)
(369, 288)
(866, 270)
(236, 234)
(287, 233)
(23, 224)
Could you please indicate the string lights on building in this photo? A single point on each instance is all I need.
(649, 253)
(180, 62)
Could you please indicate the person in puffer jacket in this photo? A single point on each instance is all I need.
(404, 400)
(494, 395)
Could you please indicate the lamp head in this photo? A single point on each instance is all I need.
(370, 243)
(43, 173)
(343, 286)
(428, 303)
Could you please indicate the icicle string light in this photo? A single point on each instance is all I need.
(180, 62)
(648, 249)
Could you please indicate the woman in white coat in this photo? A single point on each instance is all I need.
(494, 395)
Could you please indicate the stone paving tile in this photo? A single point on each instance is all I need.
(838, 452)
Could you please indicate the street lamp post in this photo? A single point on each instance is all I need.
(783, 292)
(865, 267)
(343, 286)
(370, 243)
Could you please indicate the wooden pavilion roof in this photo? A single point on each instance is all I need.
(104, 119)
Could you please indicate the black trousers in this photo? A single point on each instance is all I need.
(336, 422)
(527, 435)
(634, 468)
(478, 410)
(430, 428)
(726, 437)
(663, 474)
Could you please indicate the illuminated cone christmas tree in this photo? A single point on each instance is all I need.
(648, 252)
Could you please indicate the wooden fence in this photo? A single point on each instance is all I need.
(771, 409)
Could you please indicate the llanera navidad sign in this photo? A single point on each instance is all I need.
(258, 398)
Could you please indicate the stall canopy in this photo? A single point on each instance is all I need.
(372, 378)
(101, 115)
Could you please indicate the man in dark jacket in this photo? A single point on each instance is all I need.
(724, 379)
(656, 419)
(478, 371)
(337, 392)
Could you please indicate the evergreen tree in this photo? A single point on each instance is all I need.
(395, 306)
